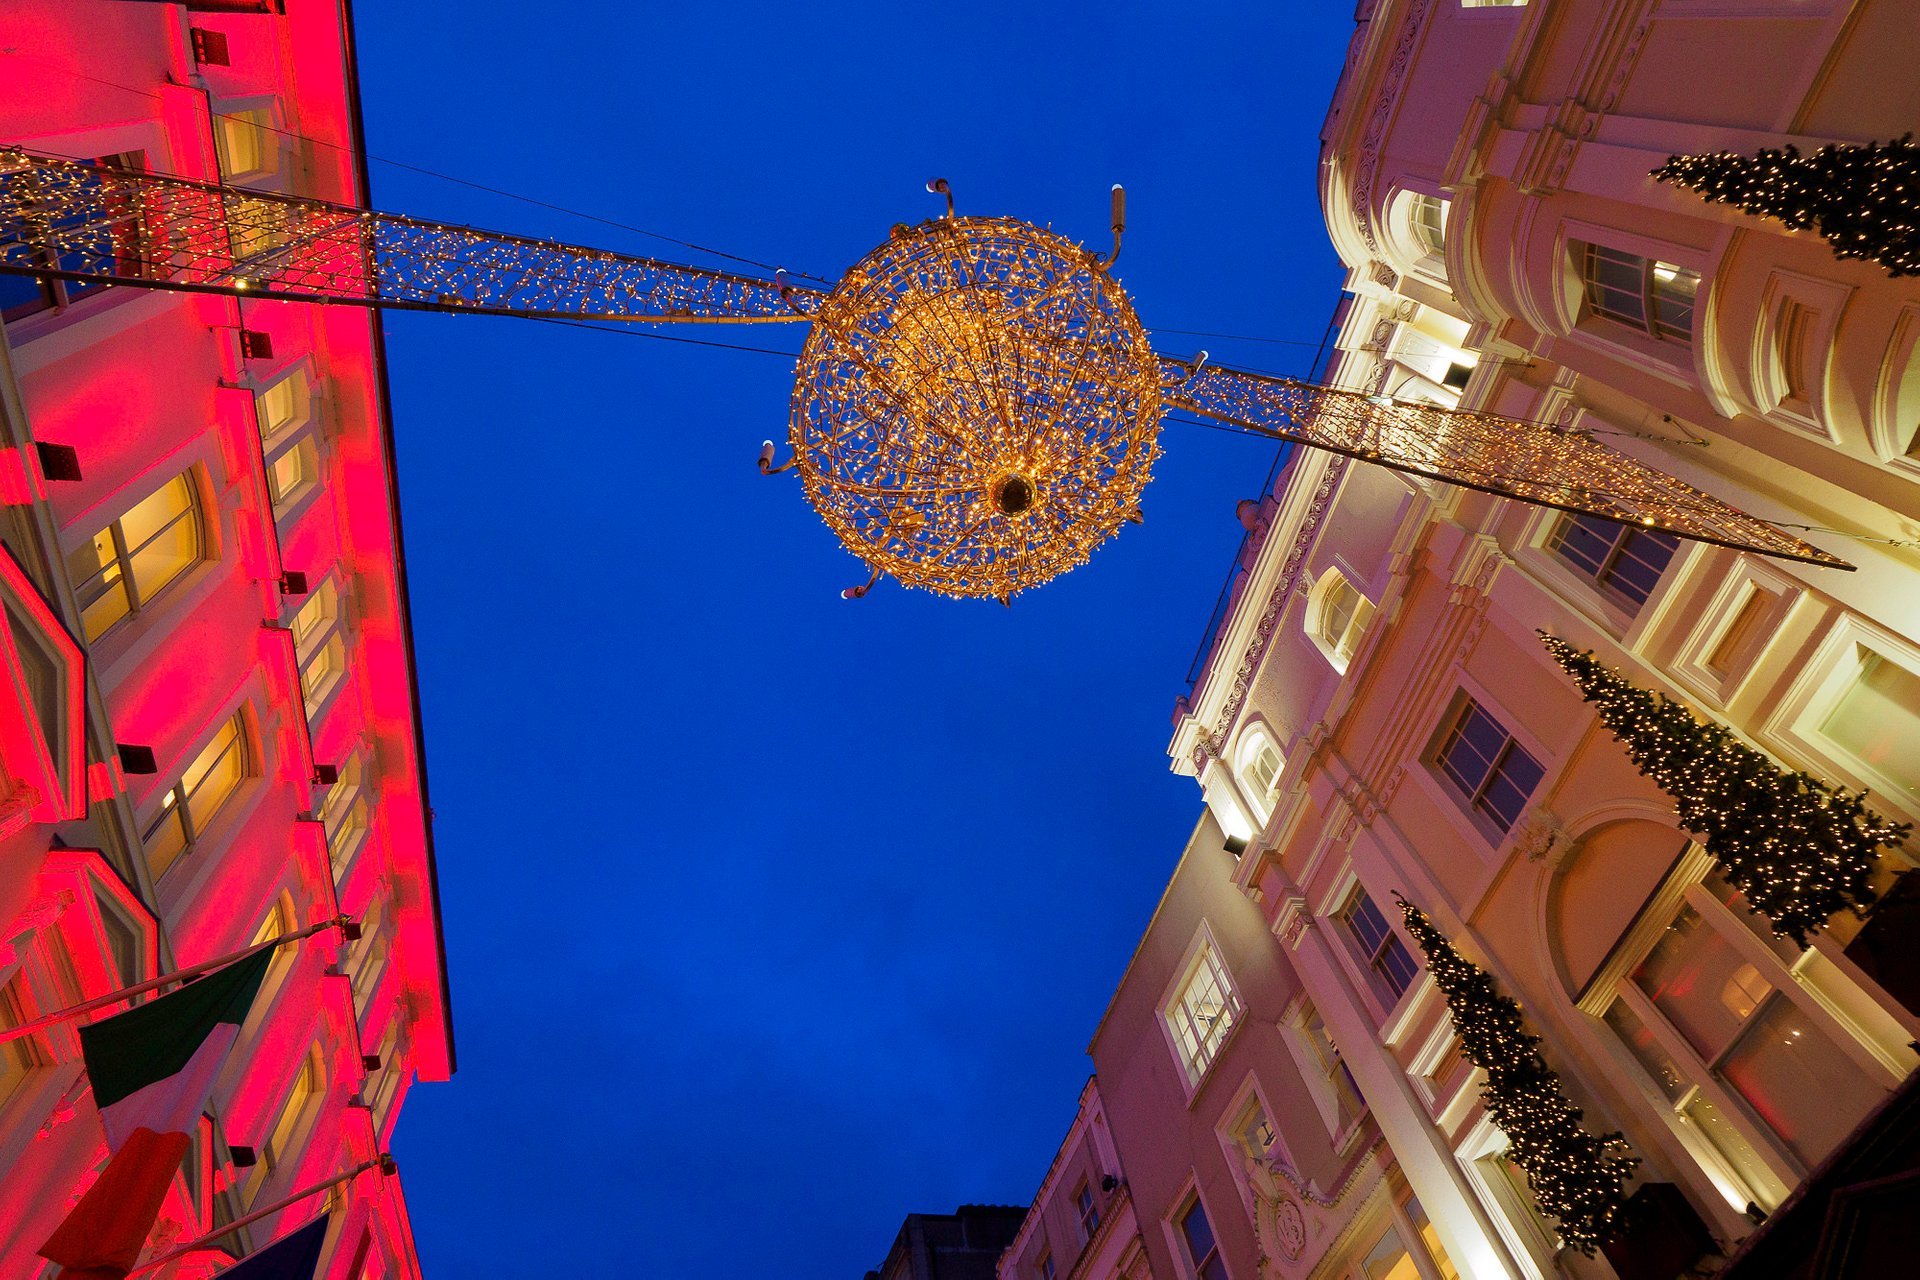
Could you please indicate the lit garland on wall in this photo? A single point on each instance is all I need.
(1797, 849)
(1864, 199)
(1576, 1178)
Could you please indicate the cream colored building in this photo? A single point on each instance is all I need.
(1377, 715)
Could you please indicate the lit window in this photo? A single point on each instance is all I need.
(1623, 560)
(1428, 215)
(1203, 1252)
(1348, 1106)
(1378, 947)
(1337, 617)
(1259, 772)
(1392, 1259)
(344, 815)
(247, 142)
(18, 1057)
(283, 405)
(369, 957)
(1492, 772)
(1089, 1212)
(190, 806)
(290, 471)
(1876, 719)
(277, 1148)
(1204, 1011)
(1253, 1132)
(320, 643)
(125, 566)
(1655, 297)
(1741, 1062)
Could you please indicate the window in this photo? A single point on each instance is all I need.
(1337, 617)
(1876, 719)
(1204, 1011)
(369, 957)
(1253, 1133)
(319, 641)
(247, 142)
(1089, 1212)
(18, 1058)
(1623, 560)
(1492, 772)
(283, 411)
(1046, 1267)
(1732, 1028)
(1378, 947)
(284, 404)
(1348, 1105)
(344, 814)
(22, 296)
(1392, 1259)
(124, 567)
(1428, 215)
(190, 806)
(277, 1147)
(1654, 297)
(1203, 1252)
(1259, 772)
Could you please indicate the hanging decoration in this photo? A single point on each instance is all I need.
(1798, 850)
(976, 406)
(1864, 199)
(1577, 1178)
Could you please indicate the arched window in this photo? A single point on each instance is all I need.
(1337, 617)
(1257, 766)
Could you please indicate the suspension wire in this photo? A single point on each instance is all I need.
(431, 173)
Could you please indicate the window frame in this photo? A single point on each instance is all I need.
(1469, 800)
(1338, 650)
(1196, 1268)
(1371, 957)
(1816, 693)
(332, 633)
(1255, 745)
(176, 804)
(58, 296)
(1086, 1209)
(1621, 540)
(270, 1158)
(1203, 955)
(139, 603)
(1649, 322)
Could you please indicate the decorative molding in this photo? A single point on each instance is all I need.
(1291, 921)
(1392, 80)
(1213, 744)
(1542, 837)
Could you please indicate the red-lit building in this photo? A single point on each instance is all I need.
(209, 728)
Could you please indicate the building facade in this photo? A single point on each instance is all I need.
(211, 729)
(1377, 716)
(962, 1245)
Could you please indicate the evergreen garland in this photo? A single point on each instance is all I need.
(1798, 850)
(1577, 1178)
(1864, 199)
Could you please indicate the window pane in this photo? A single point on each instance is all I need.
(98, 584)
(1615, 284)
(1199, 1233)
(1803, 1084)
(319, 609)
(1506, 794)
(317, 677)
(1585, 543)
(167, 838)
(162, 537)
(1673, 294)
(1397, 966)
(1702, 985)
(246, 141)
(1389, 1260)
(218, 777)
(1878, 719)
(290, 470)
(283, 404)
(1659, 1063)
(1643, 557)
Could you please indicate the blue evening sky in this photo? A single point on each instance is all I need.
(773, 917)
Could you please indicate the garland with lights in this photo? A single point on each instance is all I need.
(1861, 198)
(1576, 1177)
(1800, 851)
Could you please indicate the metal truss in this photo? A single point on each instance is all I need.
(75, 221)
(1529, 461)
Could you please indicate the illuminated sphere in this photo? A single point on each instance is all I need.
(976, 407)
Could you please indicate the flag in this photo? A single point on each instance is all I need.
(291, 1257)
(152, 1068)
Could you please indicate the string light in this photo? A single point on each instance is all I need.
(1576, 1177)
(1864, 199)
(976, 406)
(1797, 849)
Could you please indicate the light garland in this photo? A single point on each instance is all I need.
(976, 407)
(1797, 849)
(1864, 199)
(1577, 1178)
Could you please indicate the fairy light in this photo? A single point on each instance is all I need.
(1797, 849)
(1864, 199)
(976, 407)
(1577, 1178)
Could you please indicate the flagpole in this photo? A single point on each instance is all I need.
(384, 1163)
(178, 975)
